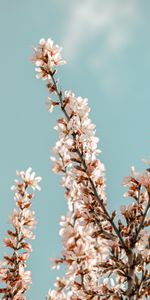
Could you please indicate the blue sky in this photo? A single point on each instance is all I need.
(107, 47)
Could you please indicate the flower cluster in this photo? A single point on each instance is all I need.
(13, 270)
(46, 57)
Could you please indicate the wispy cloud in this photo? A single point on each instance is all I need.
(110, 23)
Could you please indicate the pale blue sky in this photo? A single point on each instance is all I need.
(107, 46)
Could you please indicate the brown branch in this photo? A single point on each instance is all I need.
(130, 256)
(143, 219)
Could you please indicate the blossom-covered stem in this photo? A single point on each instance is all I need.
(12, 272)
(129, 251)
(100, 201)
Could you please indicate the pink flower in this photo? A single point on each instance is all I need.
(29, 177)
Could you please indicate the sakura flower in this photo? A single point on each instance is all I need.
(56, 295)
(29, 177)
(144, 180)
(51, 104)
(123, 209)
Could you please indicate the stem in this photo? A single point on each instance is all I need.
(138, 290)
(130, 280)
(143, 219)
(130, 275)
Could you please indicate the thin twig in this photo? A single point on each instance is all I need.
(142, 221)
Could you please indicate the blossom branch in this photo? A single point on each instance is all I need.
(109, 255)
(100, 201)
(12, 272)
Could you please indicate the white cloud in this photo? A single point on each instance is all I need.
(109, 22)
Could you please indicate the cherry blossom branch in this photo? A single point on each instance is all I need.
(12, 272)
(92, 242)
(100, 201)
